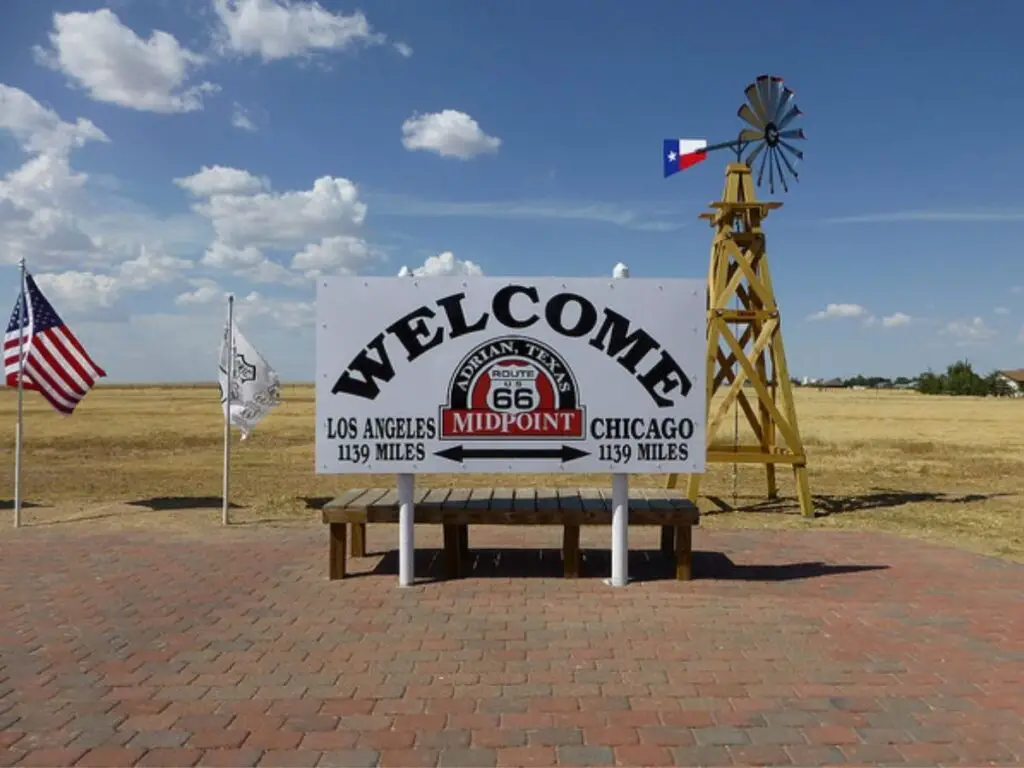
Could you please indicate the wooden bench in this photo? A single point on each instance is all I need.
(458, 508)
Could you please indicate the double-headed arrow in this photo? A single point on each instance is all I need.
(460, 453)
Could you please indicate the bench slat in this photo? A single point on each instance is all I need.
(479, 500)
(502, 500)
(484, 506)
(348, 498)
(592, 500)
(456, 500)
(525, 501)
(437, 496)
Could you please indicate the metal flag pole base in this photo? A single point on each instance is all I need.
(406, 530)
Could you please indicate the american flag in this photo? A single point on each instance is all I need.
(56, 364)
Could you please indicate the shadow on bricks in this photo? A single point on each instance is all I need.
(644, 565)
(833, 504)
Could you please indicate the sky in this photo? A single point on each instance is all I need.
(156, 155)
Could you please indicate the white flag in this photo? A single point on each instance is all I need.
(255, 387)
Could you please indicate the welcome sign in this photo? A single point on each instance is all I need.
(454, 374)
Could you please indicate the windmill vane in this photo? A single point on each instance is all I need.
(769, 111)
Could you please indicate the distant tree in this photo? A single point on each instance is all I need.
(959, 379)
(997, 385)
(930, 383)
(902, 380)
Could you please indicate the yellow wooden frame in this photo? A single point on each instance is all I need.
(739, 269)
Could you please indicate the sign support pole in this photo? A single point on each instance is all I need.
(620, 504)
(406, 531)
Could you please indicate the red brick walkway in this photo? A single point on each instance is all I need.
(132, 649)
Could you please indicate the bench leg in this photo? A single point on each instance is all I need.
(464, 540)
(668, 544)
(358, 539)
(336, 555)
(571, 551)
(452, 551)
(684, 552)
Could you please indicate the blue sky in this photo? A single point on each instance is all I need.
(531, 142)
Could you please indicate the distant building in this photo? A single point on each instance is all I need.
(830, 384)
(1014, 381)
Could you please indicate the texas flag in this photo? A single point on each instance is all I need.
(680, 154)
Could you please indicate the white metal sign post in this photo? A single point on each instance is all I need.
(524, 375)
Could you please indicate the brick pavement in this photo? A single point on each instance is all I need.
(234, 649)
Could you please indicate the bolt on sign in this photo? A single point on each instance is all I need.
(451, 374)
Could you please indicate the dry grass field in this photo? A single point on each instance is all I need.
(942, 468)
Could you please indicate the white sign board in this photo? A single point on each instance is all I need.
(483, 374)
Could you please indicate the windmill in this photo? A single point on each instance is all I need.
(769, 111)
(744, 333)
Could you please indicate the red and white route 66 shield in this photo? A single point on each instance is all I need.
(513, 387)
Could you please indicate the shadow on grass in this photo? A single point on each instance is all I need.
(644, 565)
(834, 504)
(315, 502)
(172, 503)
(9, 504)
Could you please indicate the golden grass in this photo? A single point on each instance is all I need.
(936, 467)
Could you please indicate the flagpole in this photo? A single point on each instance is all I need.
(227, 409)
(19, 426)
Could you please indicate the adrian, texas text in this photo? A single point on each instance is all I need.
(516, 307)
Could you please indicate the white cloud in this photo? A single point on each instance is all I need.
(443, 265)
(967, 332)
(449, 133)
(248, 262)
(79, 291)
(404, 49)
(287, 313)
(840, 310)
(316, 229)
(40, 129)
(240, 118)
(82, 291)
(948, 217)
(281, 29)
(341, 254)
(1000, 311)
(204, 291)
(895, 320)
(607, 213)
(114, 65)
(218, 180)
(286, 219)
(39, 197)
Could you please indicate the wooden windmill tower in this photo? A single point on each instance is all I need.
(744, 331)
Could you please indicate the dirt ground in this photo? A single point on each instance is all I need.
(934, 467)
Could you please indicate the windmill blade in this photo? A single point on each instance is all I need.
(775, 89)
(789, 166)
(747, 114)
(791, 148)
(755, 102)
(760, 172)
(793, 113)
(786, 97)
(764, 92)
(771, 170)
(778, 167)
(748, 135)
(754, 153)
(791, 134)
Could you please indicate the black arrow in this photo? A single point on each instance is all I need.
(460, 453)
